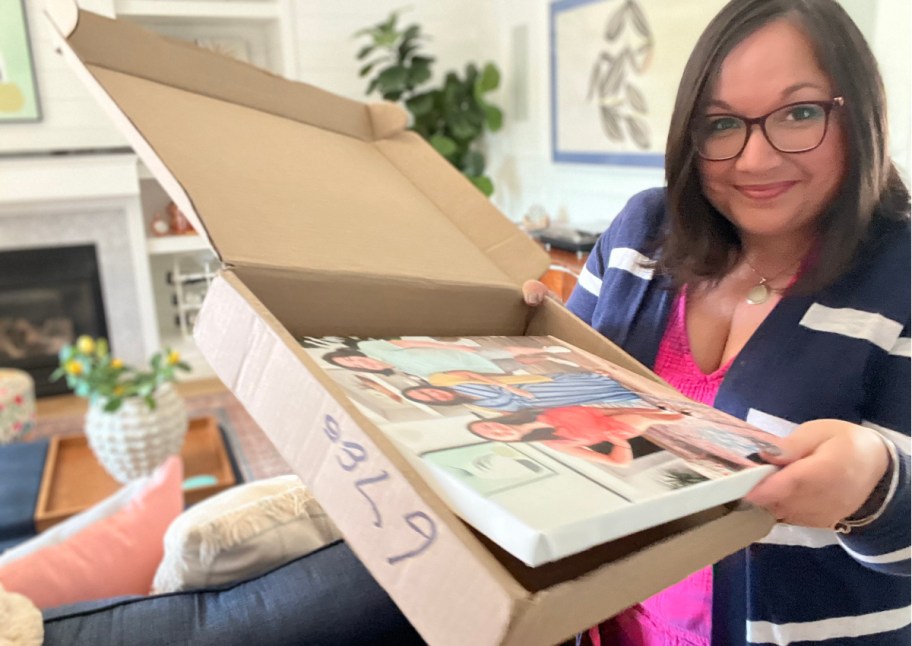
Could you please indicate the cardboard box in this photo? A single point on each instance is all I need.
(332, 219)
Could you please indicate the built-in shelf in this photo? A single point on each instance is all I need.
(176, 244)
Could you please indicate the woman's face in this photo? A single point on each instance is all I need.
(764, 192)
(498, 431)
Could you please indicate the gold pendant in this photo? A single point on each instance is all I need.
(758, 294)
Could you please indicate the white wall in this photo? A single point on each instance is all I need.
(461, 31)
(71, 119)
(590, 195)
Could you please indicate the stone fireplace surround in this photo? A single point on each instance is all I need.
(48, 201)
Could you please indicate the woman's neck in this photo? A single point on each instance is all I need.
(776, 255)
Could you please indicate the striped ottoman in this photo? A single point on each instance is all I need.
(17, 404)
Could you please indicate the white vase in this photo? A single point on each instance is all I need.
(132, 441)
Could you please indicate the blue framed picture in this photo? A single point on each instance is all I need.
(615, 68)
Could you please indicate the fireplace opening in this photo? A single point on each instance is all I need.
(48, 298)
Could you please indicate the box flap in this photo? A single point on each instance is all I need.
(282, 174)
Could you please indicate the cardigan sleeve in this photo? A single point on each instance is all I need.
(618, 247)
(884, 545)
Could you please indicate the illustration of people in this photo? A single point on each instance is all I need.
(511, 393)
(424, 357)
(579, 431)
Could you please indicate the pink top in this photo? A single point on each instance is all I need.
(682, 614)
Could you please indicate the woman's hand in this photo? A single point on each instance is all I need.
(830, 469)
(535, 292)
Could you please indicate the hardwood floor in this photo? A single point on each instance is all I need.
(66, 405)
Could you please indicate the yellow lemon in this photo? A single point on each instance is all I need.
(73, 367)
(118, 390)
(85, 344)
(117, 364)
(173, 357)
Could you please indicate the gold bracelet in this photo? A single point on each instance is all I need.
(846, 525)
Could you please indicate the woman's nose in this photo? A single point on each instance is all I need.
(758, 152)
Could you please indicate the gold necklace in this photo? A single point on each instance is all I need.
(761, 292)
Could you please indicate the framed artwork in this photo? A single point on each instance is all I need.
(615, 69)
(18, 89)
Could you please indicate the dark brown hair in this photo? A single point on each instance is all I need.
(699, 243)
(341, 353)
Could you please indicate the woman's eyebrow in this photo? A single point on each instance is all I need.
(791, 89)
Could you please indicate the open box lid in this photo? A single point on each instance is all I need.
(279, 174)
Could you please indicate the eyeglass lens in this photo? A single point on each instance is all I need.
(794, 128)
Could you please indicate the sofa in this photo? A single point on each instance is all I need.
(324, 597)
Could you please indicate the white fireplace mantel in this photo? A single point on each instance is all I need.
(48, 201)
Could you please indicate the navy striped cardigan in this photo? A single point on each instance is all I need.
(841, 353)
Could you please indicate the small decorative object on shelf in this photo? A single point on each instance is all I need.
(161, 224)
(17, 404)
(180, 225)
(135, 419)
(171, 222)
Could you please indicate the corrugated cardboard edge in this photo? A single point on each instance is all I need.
(359, 477)
(555, 614)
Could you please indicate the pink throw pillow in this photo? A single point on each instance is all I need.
(117, 555)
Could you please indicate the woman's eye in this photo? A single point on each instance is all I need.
(723, 124)
(804, 112)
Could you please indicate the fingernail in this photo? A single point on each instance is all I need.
(774, 451)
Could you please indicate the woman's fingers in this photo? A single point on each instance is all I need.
(535, 292)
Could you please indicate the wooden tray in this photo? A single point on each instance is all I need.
(73, 480)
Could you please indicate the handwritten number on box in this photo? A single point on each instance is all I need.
(350, 457)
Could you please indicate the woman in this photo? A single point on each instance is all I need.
(511, 393)
(771, 279)
(579, 431)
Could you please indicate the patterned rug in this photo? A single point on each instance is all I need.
(253, 453)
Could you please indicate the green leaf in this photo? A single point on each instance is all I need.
(420, 104)
(392, 79)
(443, 145)
(365, 51)
(473, 163)
(461, 127)
(484, 184)
(420, 71)
(112, 405)
(493, 118)
(490, 78)
(364, 71)
(372, 86)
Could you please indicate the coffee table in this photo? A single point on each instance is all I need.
(73, 480)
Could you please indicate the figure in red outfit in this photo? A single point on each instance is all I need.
(575, 430)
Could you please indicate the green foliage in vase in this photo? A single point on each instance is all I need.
(452, 117)
(91, 372)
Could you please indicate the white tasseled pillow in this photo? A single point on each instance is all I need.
(242, 532)
(20, 620)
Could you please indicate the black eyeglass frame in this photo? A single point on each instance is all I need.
(826, 106)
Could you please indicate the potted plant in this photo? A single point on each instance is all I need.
(453, 117)
(135, 418)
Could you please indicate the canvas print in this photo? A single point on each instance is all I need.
(615, 65)
(18, 89)
(543, 447)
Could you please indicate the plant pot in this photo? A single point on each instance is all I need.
(132, 441)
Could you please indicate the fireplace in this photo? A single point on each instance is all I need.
(48, 297)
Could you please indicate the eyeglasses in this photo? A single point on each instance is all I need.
(793, 128)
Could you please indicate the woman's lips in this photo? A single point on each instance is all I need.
(764, 191)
